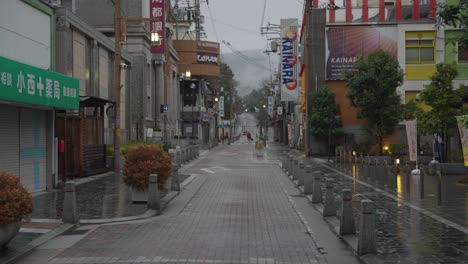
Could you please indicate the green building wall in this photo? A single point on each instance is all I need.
(451, 53)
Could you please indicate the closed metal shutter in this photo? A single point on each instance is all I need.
(33, 149)
(9, 139)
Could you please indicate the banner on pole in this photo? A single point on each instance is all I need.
(463, 136)
(290, 86)
(411, 133)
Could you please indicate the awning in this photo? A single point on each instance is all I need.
(92, 101)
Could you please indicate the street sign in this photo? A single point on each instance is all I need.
(164, 109)
(221, 106)
(280, 110)
(271, 104)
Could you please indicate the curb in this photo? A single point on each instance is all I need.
(37, 242)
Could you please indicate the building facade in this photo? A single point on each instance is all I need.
(30, 93)
(404, 29)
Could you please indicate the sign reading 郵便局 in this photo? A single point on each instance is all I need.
(158, 11)
(24, 83)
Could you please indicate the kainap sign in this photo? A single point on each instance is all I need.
(289, 60)
(207, 58)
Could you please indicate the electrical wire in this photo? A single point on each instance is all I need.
(246, 58)
(263, 12)
(246, 30)
(212, 23)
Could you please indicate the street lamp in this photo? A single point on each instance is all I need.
(155, 39)
(216, 99)
(188, 74)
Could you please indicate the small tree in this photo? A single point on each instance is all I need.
(446, 103)
(323, 120)
(372, 89)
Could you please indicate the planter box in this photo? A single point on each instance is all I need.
(139, 196)
(8, 232)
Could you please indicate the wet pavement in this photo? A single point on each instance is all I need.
(419, 219)
(105, 197)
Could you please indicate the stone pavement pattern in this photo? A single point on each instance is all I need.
(404, 235)
(240, 214)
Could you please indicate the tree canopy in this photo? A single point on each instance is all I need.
(372, 89)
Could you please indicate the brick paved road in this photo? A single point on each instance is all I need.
(234, 211)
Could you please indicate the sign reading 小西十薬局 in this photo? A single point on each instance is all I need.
(27, 84)
(290, 88)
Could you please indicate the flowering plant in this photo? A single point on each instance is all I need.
(144, 160)
(15, 201)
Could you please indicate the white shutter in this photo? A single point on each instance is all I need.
(9, 139)
(33, 152)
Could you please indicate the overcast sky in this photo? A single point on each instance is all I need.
(238, 21)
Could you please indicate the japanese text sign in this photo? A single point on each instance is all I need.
(27, 84)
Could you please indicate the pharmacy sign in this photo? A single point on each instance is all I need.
(24, 83)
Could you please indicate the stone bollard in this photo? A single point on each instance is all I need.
(347, 226)
(153, 193)
(173, 157)
(300, 173)
(70, 209)
(329, 207)
(289, 164)
(197, 151)
(179, 157)
(366, 238)
(433, 167)
(182, 156)
(295, 168)
(317, 189)
(308, 179)
(175, 180)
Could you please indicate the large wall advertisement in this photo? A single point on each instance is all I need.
(347, 44)
(290, 87)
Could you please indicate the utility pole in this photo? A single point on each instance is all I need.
(230, 117)
(117, 88)
(197, 19)
(155, 41)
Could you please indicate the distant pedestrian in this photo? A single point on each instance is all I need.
(249, 136)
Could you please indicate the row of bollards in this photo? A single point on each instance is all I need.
(311, 181)
(70, 212)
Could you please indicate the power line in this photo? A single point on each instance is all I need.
(263, 12)
(212, 23)
(246, 58)
(233, 26)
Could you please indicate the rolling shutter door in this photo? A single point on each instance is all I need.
(9, 139)
(33, 151)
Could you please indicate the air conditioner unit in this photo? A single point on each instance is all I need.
(418, 96)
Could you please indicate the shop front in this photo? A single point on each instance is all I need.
(28, 99)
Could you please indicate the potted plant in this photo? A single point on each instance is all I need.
(142, 161)
(259, 147)
(15, 206)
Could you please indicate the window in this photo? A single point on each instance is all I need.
(420, 47)
(420, 51)
(462, 53)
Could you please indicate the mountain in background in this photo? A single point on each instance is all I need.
(250, 68)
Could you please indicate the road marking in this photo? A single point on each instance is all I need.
(207, 170)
